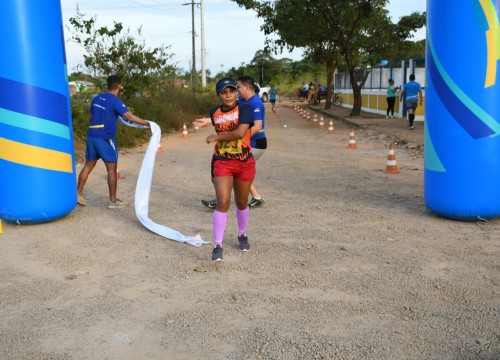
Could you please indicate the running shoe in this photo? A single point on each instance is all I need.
(217, 253)
(243, 240)
(410, 127)
(256, 203)
(211, 204)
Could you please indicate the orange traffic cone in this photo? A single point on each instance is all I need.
(392, 167)
(331, 130)
(118, 175)
(160, 150)
(308, 117)
(196, 129)
(352, 140)
(184, 131)
(315, 118)
(321, 123)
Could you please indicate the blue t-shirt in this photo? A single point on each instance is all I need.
(105, 109)
(259, 112)
(272, 94)
(411, 90)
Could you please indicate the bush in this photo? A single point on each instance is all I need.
(169, 110)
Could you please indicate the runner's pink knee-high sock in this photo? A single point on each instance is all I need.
(242, 216)
(219, 226)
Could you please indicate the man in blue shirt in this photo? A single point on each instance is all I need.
(250, 94)
(272, 97)
(412, 91)
(103, 116)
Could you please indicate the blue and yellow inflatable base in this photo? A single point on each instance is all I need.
(37, 162)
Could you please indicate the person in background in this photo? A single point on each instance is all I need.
(317, 87)
(250, 93)
(391, 98)
(100, 144)
(412, 93)
(233, 165)
(272, 97)
(311, 93)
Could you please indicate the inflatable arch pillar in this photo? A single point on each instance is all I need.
(37, 161)
(462, 124)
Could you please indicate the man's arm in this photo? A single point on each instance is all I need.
(129, 116)
(257, 126)
(202, 122)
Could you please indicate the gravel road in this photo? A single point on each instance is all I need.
(346, 261)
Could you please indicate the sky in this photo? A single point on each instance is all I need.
(169, 23)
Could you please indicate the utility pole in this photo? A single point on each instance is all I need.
(193, 70)
(202, 31)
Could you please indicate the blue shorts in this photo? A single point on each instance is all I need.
(99, 148)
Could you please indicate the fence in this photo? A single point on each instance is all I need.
(374, 91)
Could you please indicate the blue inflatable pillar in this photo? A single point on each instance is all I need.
(462, 113)
(37, 161)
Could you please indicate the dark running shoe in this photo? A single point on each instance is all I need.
(243, 240)
(211, 204)
(256, 202)
(217, 253)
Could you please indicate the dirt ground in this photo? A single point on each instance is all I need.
(346, 261)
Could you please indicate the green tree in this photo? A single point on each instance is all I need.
(327, 53)
(394, 42)
(302, 27)
(262, 61)
(330, 30)
(116, 51)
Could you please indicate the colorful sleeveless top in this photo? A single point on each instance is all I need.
(226, 121)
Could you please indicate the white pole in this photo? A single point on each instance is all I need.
(203, 69)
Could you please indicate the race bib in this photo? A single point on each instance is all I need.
(232, 147)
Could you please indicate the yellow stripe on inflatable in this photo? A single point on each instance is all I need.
(492, 42)
(35, 156)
